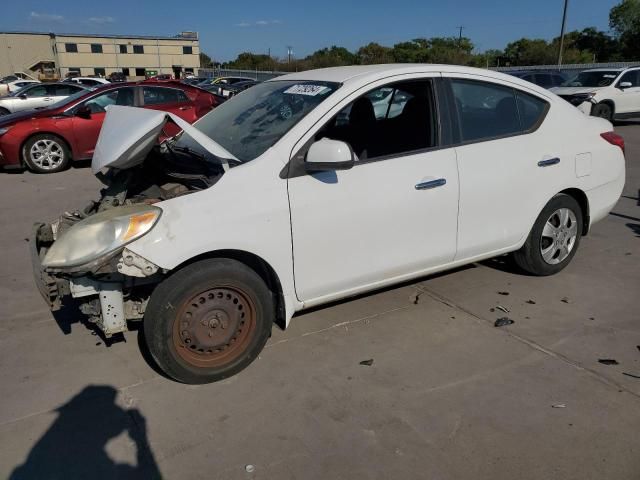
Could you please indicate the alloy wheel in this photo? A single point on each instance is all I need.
(47, 154)
(558, 236)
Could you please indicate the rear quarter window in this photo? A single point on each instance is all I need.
(531, 110)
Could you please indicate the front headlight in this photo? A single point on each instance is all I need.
(100, 235)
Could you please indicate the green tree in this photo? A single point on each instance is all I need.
(205, 61)
(624, 20)
(330, 57)
(530, 52)
(374, 53)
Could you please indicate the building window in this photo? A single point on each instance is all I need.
(96, 48)
(140, 72)
(125, 71)
(71, 47)
(123, 49)
(188, 70)
(138, 49)
(99, 72)
(187, 50)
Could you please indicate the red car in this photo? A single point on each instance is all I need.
(46, 140)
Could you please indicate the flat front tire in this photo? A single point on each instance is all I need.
(554, 238)
(208, 321)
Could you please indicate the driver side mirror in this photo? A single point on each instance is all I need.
(83, 112)
(624, 85)
(327, 155)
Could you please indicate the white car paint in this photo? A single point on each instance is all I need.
(15, 85)
(625, 101)
(34, 96)
(89, 81)
(335, 235)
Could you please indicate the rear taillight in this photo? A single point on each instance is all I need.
(614, 139)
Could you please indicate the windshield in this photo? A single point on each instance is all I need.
(255, 120)
(593, 79)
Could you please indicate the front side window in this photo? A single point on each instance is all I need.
(391, 120)
(39, 91)
(599, 78)
(251, 123)
(65, 90)
(138, 49)
(485, 110)
(96, 48)
(71, 47)
(121, 96)
(632, 77)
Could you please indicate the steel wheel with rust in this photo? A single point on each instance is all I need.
(208, 321)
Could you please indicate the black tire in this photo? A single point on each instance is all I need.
(184, 324)
(58, 149)
(603, 110)
(4, 111)
(530, 257)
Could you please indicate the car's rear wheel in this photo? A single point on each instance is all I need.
(554, 238)
(208, 321)
(4, 111)
(603, 110)
(46, 153)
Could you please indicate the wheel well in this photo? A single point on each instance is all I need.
(258, 265)
(580, 197)
(68, 145)
(611, 104)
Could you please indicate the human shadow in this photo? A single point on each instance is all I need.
(74, 446)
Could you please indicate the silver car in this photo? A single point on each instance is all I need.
(37, 95)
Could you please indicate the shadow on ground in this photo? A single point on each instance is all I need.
(74, 445)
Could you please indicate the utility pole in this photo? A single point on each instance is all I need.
(564, 24)
(460, 28)
(289, 52)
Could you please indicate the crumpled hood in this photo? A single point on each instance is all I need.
(129, 133)
(574, 90)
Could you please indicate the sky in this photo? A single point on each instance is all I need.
(227, 28)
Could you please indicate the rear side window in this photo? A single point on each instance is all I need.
(157, 95)
(487, 111)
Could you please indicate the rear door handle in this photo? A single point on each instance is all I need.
(431, 184)
(548, 163)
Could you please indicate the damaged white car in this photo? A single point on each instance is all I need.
(299, 192)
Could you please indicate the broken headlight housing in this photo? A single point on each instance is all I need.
(100, 235)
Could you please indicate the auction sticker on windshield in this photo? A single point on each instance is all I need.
(311, 90)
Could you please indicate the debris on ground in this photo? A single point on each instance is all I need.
(502, 309)
(416, 298)
(530, 302)
(631, 375)
(503, 293)
(503, 322)
(608, 361)
(249, 468)
(592, 318)
(638, 347)
(492, 310)
(368, 363)
(565, 300)
(559, 405)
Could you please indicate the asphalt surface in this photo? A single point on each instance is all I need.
(447, 395)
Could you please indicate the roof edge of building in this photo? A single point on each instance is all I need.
(95, 35)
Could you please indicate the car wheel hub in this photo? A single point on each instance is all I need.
(558, 236)
(47, 154)
(214, 327)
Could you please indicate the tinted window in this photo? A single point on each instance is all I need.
(597, 78)
(485, 110)
(557, 80)
(544, 80)
(631, 77)
(96, 48)
(391, 120)
(39, 91)
(157, 95)
(138, 49)
(121, 96)
(71, 47)
(531, 110)
(187, 50)
(529, 78)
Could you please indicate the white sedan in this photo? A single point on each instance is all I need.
(37, 95)
(277, 201)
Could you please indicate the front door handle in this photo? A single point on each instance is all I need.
(548, 163)
(431, 184)
(185, 108)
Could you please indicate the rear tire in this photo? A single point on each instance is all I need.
(46, 153)
(554, 238)
(208, 321)
(603, 110)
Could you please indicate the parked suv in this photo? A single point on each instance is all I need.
(541, 78)
(278, 200)
(611, 93)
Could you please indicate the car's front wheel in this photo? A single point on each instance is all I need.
(46, 153)
(554, 238)
(603, 110)
(208, 321)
